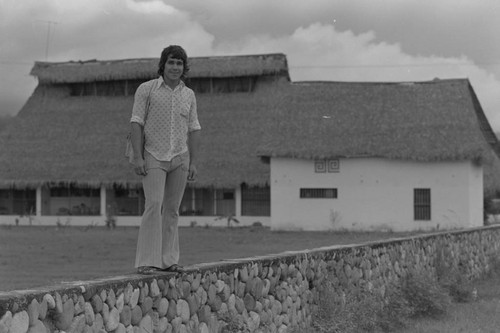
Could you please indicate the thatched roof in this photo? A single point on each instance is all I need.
(424, 121)
(61, 139)
(146, 68)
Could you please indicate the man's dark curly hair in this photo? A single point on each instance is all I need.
(177, 52)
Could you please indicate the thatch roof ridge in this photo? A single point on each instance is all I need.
(422, 121)
(146, 68)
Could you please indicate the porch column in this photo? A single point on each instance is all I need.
(193, 199)
(38, 203)
(237, 199)
(215, 201)
(103, 201)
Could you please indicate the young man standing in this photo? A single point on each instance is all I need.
(165, 140)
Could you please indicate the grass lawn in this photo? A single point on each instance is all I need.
(40, 256)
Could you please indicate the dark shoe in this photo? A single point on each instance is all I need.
(174, 269)
(147, 270)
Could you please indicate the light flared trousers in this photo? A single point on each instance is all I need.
(164, 184)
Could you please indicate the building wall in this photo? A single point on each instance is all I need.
(128, 221)
(202, 221)
(476, 195)
(375, 194)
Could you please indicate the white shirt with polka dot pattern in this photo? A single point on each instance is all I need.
(172, 114)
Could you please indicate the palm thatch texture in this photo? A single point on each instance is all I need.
(59, 139)
(426, 121)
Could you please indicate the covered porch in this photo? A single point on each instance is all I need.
(83, 206)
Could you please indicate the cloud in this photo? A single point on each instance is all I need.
(91, 29)
(150, 7)
(83, 30)
(323, 40)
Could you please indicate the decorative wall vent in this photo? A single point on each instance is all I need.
(324, 166)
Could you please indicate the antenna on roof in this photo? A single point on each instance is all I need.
(47, 42)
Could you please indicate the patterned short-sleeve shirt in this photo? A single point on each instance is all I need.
(172, 114)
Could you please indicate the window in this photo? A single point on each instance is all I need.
(225, 204)
(214, 85)
(105, 88)
(125, 202)
(255, 201)
(17, 202)
(207, 202)
(73, 200)
(210, 85)
(187, 207)
(74, 192)
(422, 204)
(198, 202)
(315, 193)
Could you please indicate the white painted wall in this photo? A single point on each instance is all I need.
(376, 194)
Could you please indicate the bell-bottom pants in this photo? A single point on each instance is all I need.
(164, 184)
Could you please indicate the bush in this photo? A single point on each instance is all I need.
(418, 294)
(396, 310)
(458, 287)
(425, 295)
(451, 277)
(334, 312)
(494, 267)
(361, 311)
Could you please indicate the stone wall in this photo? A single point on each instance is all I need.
(262, 294)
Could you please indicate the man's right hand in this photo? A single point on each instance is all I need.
(140, 166)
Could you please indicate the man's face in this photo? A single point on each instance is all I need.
(173, 68)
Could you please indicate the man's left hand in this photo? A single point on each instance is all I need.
(192, 173)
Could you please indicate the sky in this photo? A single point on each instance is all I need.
(334, 40)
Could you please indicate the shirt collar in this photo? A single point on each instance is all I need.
(160, 81)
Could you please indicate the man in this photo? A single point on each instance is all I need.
(165, 140)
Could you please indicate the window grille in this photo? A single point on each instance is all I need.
(105, 88)
(207, 202)
(225, 204)
(123, 201)
(128, 87)
(74, 200)
(422, 204)
(73, 191)
(255, 201)
(214, 85)
(318, 193)
(204, 201)
(187, 207)
(17, 202)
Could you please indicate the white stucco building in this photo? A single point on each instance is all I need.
(379, 156)
(375, 194)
